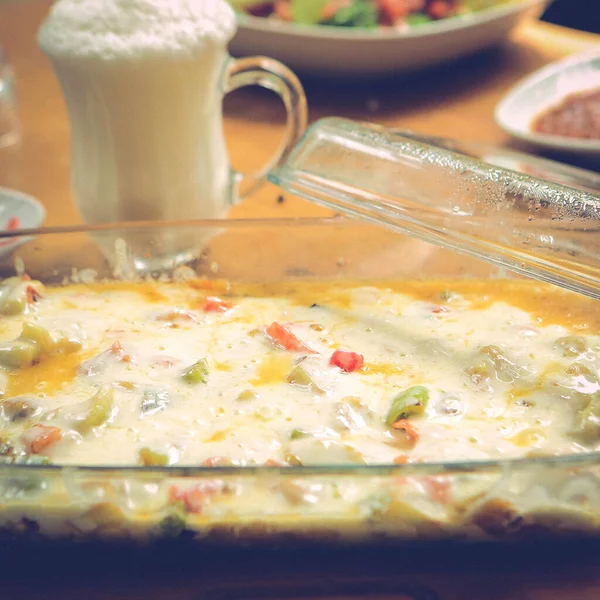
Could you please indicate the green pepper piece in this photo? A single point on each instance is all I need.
(18, 409)
(297, 434)
(298, 376)
(27, 348)
(99, 410)
(13, 295)
(409, 403)
(197, 373)
(152, 458)
(39, 336)
(33, 343)
(18, 354)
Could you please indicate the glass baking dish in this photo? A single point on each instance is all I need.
(494, 500)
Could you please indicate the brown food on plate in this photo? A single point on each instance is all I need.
(577, 116)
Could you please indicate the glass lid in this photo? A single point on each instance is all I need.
(548, 230)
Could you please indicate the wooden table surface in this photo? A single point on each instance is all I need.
(455, 101)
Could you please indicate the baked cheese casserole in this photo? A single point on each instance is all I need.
(199, 373)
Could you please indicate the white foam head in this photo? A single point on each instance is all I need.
(134, 29)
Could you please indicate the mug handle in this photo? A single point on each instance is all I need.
(272, 75)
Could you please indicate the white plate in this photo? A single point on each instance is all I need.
(324, 50)
(29, 212)
(546, 88)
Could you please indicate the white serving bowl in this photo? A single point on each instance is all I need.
(323, 50)
(544, 89)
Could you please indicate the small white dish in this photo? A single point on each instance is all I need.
(18, 211)
(542, 90)
(348, 52)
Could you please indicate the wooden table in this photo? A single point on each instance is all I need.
(455, 101)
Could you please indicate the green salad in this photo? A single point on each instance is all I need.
(362, 13)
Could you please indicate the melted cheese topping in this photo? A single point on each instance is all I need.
(196, 374)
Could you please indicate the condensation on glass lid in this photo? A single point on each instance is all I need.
(534, 227)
